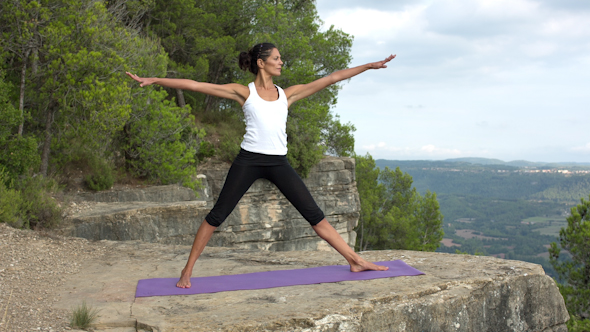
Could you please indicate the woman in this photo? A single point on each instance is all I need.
(264, 148)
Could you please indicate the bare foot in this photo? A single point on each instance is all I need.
(363, 265)
(185, 279)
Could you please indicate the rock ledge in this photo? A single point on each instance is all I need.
(458, 293)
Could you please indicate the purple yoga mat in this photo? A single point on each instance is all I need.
(270, 279)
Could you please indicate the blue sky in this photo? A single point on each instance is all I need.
(505, 79)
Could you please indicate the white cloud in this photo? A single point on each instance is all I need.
(539, 49)
(495, 76)
(377, 25)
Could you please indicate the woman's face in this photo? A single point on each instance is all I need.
(273, 63)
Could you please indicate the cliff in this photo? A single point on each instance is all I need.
(457, 293)
(263, 219)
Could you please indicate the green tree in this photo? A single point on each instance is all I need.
(209, 39)
(20, 23)
(575, 272)
(308, 54)
(393, 214)
(18, 154)
(82, 107)
(162, 142)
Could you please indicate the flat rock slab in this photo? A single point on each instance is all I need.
(457, 293)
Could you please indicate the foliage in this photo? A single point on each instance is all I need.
(83, 316)
(575, 273)
(161, 141)
(338, 138)
(100, 176)
(77, 95)
(393, 214)
(308, 54)
(206, 150)
(12, 204)
(65, 100)
(42, 210)
(205, 44)
(18, 154)
(28, 202)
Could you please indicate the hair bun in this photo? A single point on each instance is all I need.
(248, 60)
(244, 60)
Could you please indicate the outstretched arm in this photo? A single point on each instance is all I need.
(232, 91)
(298, 92)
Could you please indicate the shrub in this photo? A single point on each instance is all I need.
(161, 142)
(206, 150)
(101, 175)
(28, 203)
(40, 209)
(19, 155)
(11, 202)
(229, 147)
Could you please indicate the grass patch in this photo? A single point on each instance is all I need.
(83, 316)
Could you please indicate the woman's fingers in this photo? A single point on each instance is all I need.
(136, 78)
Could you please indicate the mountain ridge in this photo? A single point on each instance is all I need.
(492, 161)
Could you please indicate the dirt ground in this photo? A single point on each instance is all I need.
(31, 264)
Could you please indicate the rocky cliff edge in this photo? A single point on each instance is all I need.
(457, 293)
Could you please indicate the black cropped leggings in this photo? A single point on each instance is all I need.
(247, 168)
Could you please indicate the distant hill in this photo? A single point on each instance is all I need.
(492, 180)
(512, 210)
(481, 161)
(516, 163)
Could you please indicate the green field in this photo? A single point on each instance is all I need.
(552, 230)
(552, 225)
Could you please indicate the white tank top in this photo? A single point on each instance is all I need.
(266, 123)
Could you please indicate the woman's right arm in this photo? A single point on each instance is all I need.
(231, 91)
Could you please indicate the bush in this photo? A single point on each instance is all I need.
(19, 156)
(101, 175)
(206, 150)
(229, 147)
(40, 209)
(28, 203)
(161, 142)
(12, 205)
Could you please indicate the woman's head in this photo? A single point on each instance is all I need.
(249, 60)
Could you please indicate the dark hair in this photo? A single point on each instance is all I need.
(247, 60)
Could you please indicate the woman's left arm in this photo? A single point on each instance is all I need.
(298, 92)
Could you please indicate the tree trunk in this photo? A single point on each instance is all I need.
(35, 61)
(362, 233)
(180, 98)
(21, 102)
(47, 144)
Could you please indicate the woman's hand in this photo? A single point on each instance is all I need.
(145, 81)
(382, 63)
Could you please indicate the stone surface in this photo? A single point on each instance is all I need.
(159, 194)
(263, 219)
(457, 293)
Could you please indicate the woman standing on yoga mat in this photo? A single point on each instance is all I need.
(264, 148)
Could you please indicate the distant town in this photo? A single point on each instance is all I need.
(520, 170)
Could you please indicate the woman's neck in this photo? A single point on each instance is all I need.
(264, 81)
